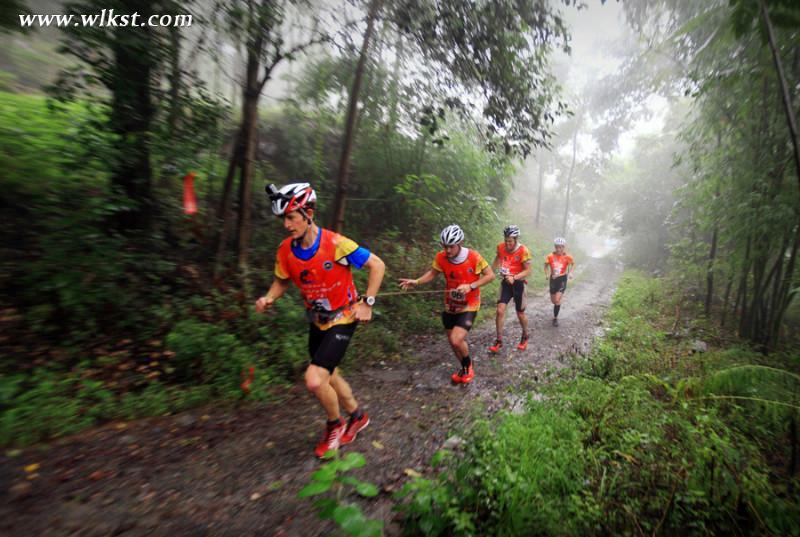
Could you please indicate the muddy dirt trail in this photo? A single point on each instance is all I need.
(223, 472)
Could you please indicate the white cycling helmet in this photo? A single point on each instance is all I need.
(451, 235)
(511, 231)
(560, 241)
(291, 197)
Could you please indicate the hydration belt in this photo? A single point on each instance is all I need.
(319, 314)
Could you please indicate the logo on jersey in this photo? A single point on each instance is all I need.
(307, 276)
(327, 265)
(471, 270)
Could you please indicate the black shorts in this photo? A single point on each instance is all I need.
(327, 347)
(558, 285)
(463, 319)
(515, 291)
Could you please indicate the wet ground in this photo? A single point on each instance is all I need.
(225, 472)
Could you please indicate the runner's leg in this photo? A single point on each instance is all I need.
(343, 391)
(318, 381)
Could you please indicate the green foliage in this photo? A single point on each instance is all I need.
(332, 478)
(206, 355)
(645, 448)
(47, 404)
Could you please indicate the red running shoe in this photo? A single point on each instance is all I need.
(464, 376)
(496, 347)
(523, 343)
(353, 427)
(331, 439)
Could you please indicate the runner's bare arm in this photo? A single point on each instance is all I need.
(376, 268)
(527, 267)
(276, 290)
(547, 270)
(487, 275)
(405, 283)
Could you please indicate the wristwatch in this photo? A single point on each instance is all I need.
(370, 300)
(473, 286)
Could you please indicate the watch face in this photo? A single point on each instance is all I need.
(370, 300)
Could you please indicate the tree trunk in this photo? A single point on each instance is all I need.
(342, 180)
(569, 180)
(252, 94)
(725, 300)
(791, 119)
(132, 112)
(741, 295)
(539, 194)
(395, 91)
(224, 209)
(174, 80)
(786, 293)
(710, 271)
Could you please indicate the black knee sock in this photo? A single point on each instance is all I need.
(334, 423)
(556, 308)
(357, 414)
(466, 362)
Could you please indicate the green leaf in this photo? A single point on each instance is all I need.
(325, 474)
(352, 460)
(312, 489)
(325, 507)
(365, 489)
(368, 490)
(347, 515)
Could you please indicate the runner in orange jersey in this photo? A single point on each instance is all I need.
(319, 263)
(513, 260)
(558, 269)
(465, 271)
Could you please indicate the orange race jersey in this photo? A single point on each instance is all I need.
(558, 264)
(455, 274)
(324, 278)
(513, 262)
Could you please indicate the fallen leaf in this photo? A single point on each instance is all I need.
(97, 475)
(120, 426)
(32, 467)
(13, 453)
(205, 417)
(377, 445)
(254, 496)
(410, 472)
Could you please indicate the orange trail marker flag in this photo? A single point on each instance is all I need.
(189, 199)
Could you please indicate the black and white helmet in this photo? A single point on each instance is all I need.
(511, 231)
(451, 235)
(291, 197)
(560, 241)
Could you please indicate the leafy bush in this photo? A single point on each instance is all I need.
(633, 444)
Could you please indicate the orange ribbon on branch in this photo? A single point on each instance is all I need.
(189, 198)
(248, 376)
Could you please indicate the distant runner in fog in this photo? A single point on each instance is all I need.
(558, 269)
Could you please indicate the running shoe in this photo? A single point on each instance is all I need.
(496, 347)
(555, 322)
(523, 343)
(464, 376)
(331, 438)
(353, 427)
